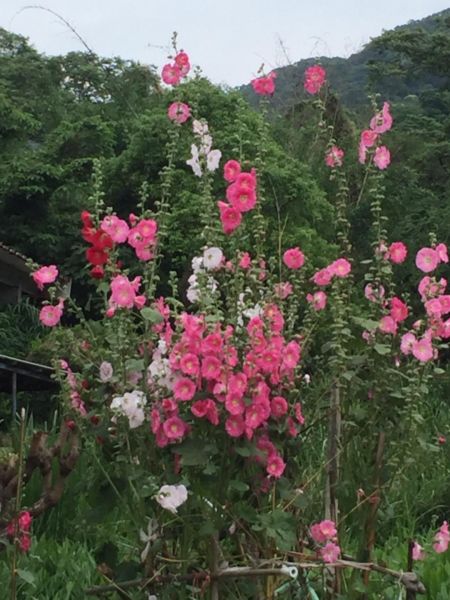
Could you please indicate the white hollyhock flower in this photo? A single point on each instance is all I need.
(212, 257)
(193, 162)
(213, 159)
(199, 127)
(171, 497)
(197, 264)
(106, 371)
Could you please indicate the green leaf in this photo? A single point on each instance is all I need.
(195, 452)
(26, 576)
(240, 486)
(382, 349)
(152, 315)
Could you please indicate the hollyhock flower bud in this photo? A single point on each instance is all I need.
(179, 112)
(294, 258)
(314, 79)
(382, 157)
(45, 275)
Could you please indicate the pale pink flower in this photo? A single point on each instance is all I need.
(330, 552)
(382, 157)
(441, 249)
(50, 315)
(388, 325)
(334, 157)
(283, 289)
(179, 112)
(441, 539)
(294, 258)
(123, 292)
(116, 228)
(397, 252)
(314, 79)
(323, 277)
(106, 371)
(340, 267)
(382, 121)
(423, 349)
(45, 275)
(418, 552)
(407, 342)
(427, 260)
(318, 300)
(171, 497)
(213, 159)
(373, 295)
(231, 170)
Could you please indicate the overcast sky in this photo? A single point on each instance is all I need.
(229, 39)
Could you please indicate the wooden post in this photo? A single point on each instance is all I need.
(14, 394)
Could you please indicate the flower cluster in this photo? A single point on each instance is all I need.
(19, 529)
(379, 124)
(202, 153)
(325, 533)
(130, 405)
(173, 73)
(241, 195)
(339, 268)
(211, 260)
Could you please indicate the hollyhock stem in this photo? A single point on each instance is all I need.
(17, 506)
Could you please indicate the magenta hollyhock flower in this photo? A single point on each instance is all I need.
(182, 62)
(423, 349)
(399, 310)
(231, 170)
(382, 157)
(189, 364)
(211, 367)
(330, 552)
(45, 275)
(237, 384)
(397, 252)
(291, 355)
(116, 228)
(171, 74)
(264, 86)
(184, 389)
(294, 258)
(334, 157)
(174, 428)
(241, 197)
(323, 277)
(278, 406)
(179, 112)
(230, 217)
(234, 404)
(314, 79)
(427, 259)
(298, 413)
(382, 121)
(235, 426)
(245, 261)
(275, 466)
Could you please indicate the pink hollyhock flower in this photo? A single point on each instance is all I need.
(317, 534)
(235, 426)
(441, 249)
(144, 254)
(427, 260)
(294, 258)
(283, 289)
(246, 181)
(418, 552)
(423, 349)
(234, 404)
(242, 198)
(230, 217)
(433, 307)
(51, 315)
(231, 170)
(174, 428)
(200, 408)
(237, 384)
(116, 228)
(334, 157)
(179, 112)
(123, 292)
(256, 414)
(275, 466)
(397, 252)
(211, 367)
(407, 342)
(25, 520)
(189, 364)
(182, 61)
(399, 310)
(444, 301)
(323, 277)
(382, 157)
(382, 121)
(25, 543)
(278, 407)
(340, 267)
(328, 529)
(330, 552)
(441, 539)
(45, 275)
(184, 389)
(291, 355)
(171, 74)
(388, 325)
(368, 138)
(212, 344)
(147, 228)
(428, 288)
(318, 300)
(245, 261)
(314, 79)
(264, 86)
